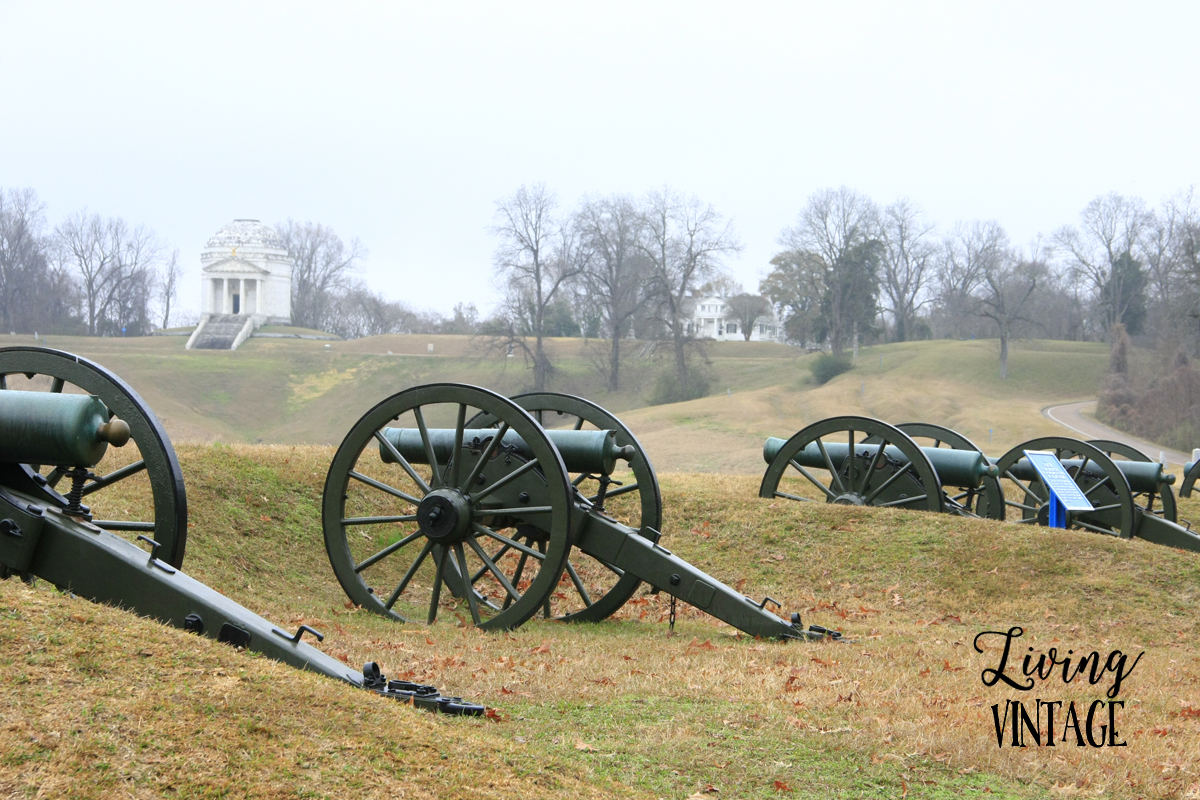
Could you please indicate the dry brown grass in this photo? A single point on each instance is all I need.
(900, 710)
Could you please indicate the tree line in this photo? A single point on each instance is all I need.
(104, 276)
(612, 267)
(851, 268)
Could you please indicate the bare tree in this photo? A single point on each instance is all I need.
(1107, 251)
(908, 258)
(616, 275)
(747, 309)
(537, 255)
(168, 286)
(324, 265)
(965, 256)
(23, 258)
(1007, 286)
(684, 241)
(116, 265)
(840, 227)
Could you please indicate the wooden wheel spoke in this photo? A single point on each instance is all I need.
(587, 600)
(435, 472)
(485, 456)
(516, 579)
(1095, 528)
(620, 490)
(812, 479)
(546, 612)
(1027, 487)
(871, 467)
(56, 475)
(1015, 504)
(850, 461)
(379, 520)
(403, 462)
(112, 477)
(507, 479)
(829, 465)
(56, 385)
(456, 456)
(793, 497)
(905, 501)
(408, 576)
(385, 552)
(439, 561)
(519, 511)
(515, 545)
(1110, 507)
(883, 486)
(579, 423)
(1095, 486)
(489, 565)
(468, 589)
(383, 487)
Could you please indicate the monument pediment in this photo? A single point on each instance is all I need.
(234, 265)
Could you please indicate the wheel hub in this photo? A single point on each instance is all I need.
(444, 515)
(848, 499)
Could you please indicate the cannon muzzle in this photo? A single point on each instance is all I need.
(65, 430)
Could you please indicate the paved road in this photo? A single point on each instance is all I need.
(1070, 416)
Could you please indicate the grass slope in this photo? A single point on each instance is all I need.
(101, 704)
(303, 391)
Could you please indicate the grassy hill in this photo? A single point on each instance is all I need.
(302, 391)
(99, 703)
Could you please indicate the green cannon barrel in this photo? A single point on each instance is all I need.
(954, 467)
(1143, 476)
(581, 451)
(62, 430)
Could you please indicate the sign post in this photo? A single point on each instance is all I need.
(1065, 495)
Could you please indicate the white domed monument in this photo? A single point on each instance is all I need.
(246, 282)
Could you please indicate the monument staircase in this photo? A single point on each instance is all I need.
(221, 332)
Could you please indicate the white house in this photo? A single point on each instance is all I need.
(712, 319)
(245, 270)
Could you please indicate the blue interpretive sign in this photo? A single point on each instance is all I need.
(1065, 495)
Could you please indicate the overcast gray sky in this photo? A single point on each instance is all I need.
(402, 124)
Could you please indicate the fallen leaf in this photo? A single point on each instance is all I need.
(493, 715)
(780, 786)
(542, 648)
(580, 744)
(947, 668)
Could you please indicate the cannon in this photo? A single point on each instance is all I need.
(66, 421)
(448, 498)
(889, 468)
(1191, 472)
(1131, 494)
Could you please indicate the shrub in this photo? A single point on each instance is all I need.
(828, 367)
(668, 389)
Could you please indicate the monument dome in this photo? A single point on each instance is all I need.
(246, 282)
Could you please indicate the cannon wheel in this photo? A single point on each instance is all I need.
(169, 525)
(979, 503)
(552, 409)
(1111, 496)
(1165, 507)
(850, 483)
(351, 542)
(1189, 480)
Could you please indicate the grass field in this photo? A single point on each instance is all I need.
(302, 391)
(102, 704)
